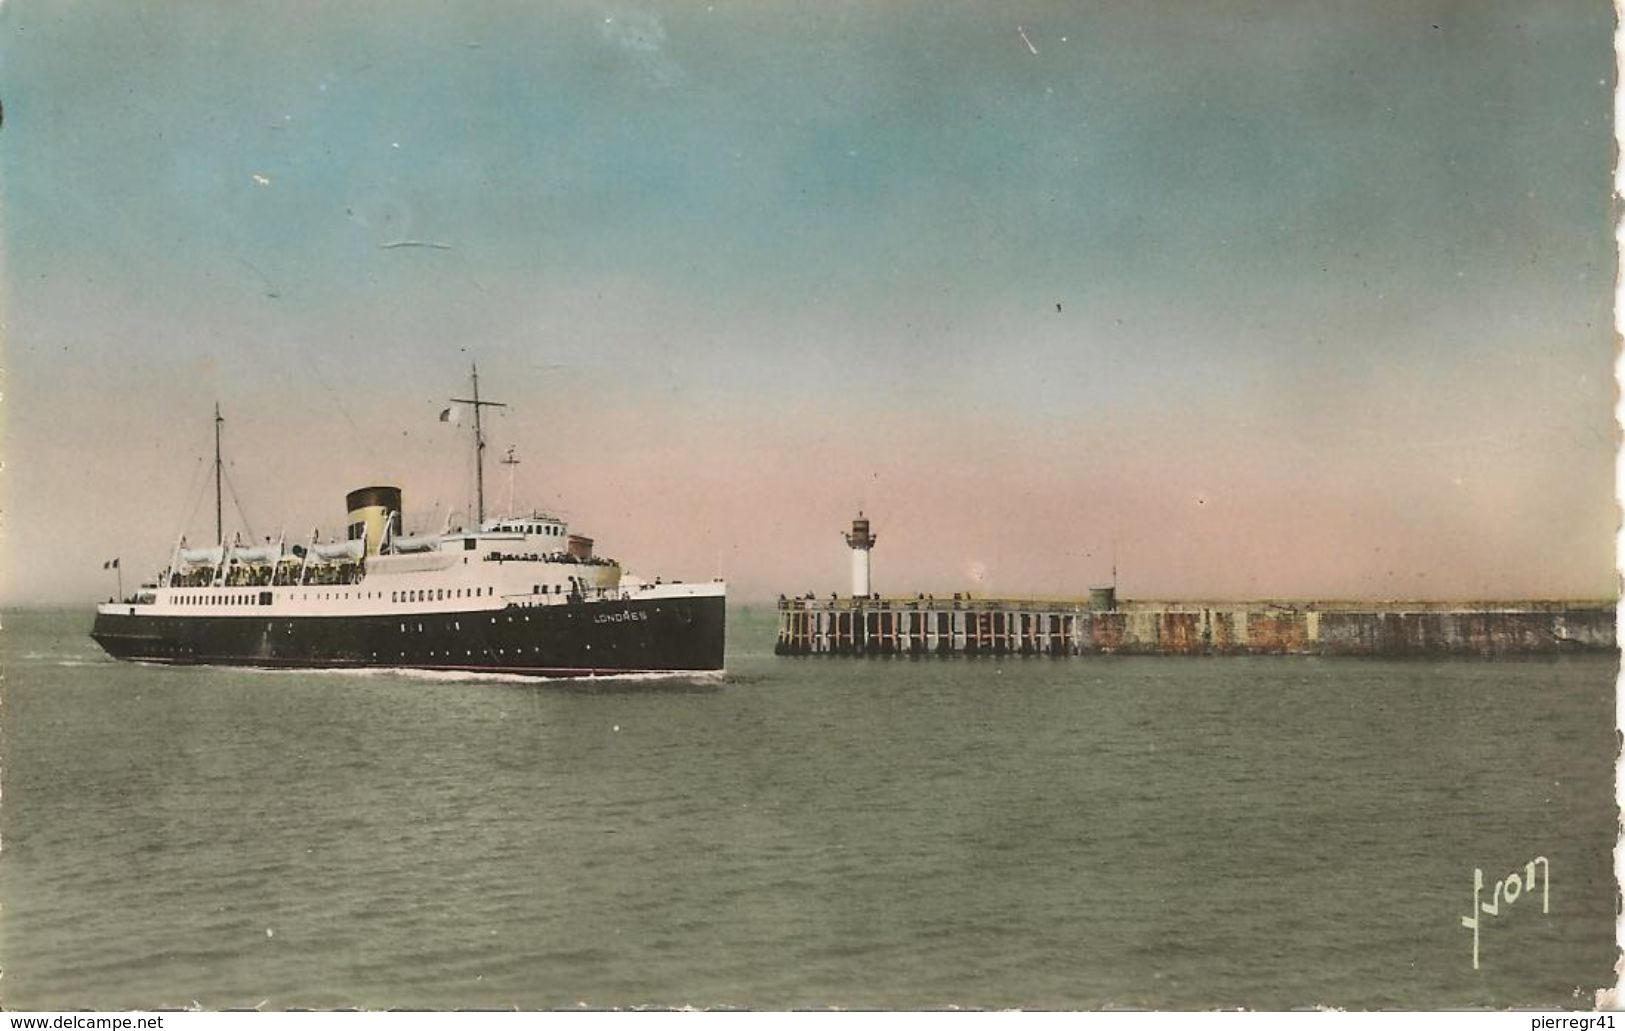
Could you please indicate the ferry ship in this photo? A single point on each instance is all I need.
(515, 594)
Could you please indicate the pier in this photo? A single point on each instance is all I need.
(1100, 624)
(864, 623)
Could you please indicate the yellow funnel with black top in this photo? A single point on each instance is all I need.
(370, 511)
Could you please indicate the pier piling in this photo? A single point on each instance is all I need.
(1101, 624)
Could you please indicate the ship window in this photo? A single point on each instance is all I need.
(468, 544)
(403, 630)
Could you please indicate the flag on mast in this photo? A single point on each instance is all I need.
(111, 563)
(454, 414)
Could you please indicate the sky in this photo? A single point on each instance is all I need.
(1258, 299)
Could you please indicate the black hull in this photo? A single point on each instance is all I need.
(683, 634)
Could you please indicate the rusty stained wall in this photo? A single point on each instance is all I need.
(1464, 633)
(1349, 633)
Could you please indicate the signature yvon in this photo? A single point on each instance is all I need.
(1508, 889)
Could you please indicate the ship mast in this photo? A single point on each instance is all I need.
(510, 460)
(479, 444)
(219, 524)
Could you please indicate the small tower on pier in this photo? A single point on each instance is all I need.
(861, 541)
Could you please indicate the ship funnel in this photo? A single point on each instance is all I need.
(371, 509)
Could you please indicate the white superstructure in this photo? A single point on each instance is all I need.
(525, 561)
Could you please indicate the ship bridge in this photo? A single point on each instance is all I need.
(530, 526)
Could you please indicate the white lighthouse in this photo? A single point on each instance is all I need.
(860, 540)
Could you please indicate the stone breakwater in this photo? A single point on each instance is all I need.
(925, 625)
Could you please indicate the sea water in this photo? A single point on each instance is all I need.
(805, 832)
